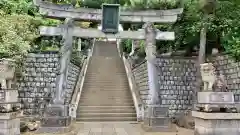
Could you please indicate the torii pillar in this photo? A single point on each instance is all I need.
(56, 117)
(155, 115)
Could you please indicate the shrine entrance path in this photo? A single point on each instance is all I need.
(112, 128)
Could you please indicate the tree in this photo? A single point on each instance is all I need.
(19, 21)
(16, 34)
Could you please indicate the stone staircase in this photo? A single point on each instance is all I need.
(106, 95)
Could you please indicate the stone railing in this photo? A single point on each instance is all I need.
(78, 89)
(72, 76)
(79, 86)
(134, 90)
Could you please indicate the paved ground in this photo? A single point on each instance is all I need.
(115, 129)
(118, 129)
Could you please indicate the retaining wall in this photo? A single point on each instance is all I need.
(177, 80)
(38, 84)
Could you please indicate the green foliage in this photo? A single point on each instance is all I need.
(187, 28)
(16, 34)
(228, 21)
(152, 4)
(223, 27)
(77, 58)
(19, 21)
(126, 45)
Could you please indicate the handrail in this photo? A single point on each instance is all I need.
(133, 87)
(139, 64)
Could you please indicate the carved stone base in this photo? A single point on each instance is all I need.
(216, 123)
(54, 129)
(156, 119)
(215, 98)
(228, 108)
(56, 110)
(215, 102)
(56, 121)
(10, 125)
(161, 124)
(56, 116)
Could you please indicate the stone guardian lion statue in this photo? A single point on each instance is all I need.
(208, 76)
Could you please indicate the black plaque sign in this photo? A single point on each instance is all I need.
(110, 18)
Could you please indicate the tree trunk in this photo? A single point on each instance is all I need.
(201, 58)
(202, 50)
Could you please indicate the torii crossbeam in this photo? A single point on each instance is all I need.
(94, 33)
(88, 14)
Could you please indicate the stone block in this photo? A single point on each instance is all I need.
(215, 97)
(10, 126)
(156, 111)
(8, 96)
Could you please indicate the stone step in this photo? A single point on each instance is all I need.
(101, 89)
(110, 95)
(106, 110)
(109, 75)
(106, 85)
(106, 104)
(105, 90)
(110, 90)
(112, 83)
(106, 119)
(106, 107)
(97, 114)
(112, 98)
(106, 79)
(105, 101)
(106, 95)
(118, 68)
(101, 96)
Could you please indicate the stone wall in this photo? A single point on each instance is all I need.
(177, 77)
(141, 78)
(177, 80)
(38, 84)
(231, 71)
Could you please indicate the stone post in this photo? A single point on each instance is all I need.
(66, 51)
(79, 48)
(150, 50)
(133, 49)
(56, 118)
(155, 116)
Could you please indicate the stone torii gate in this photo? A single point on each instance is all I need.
(59, 115)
